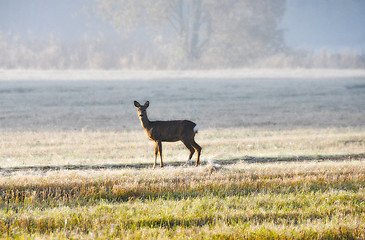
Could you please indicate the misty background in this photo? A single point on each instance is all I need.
(181, 34)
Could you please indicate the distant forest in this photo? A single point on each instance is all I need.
(176, 34)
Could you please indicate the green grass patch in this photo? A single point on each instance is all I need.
(312, 200)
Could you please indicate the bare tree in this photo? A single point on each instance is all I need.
(187, 20)
(228, 32)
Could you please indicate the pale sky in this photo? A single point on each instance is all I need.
(310, 24)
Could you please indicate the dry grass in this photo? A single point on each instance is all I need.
(228, 198)
(273, 200)
(132, 147)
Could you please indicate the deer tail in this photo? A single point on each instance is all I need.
(195, 129)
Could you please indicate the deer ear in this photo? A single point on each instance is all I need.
(137, 104)
(147, 104)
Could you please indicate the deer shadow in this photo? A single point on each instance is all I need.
(223, 162)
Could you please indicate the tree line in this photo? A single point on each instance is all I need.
(176, 34)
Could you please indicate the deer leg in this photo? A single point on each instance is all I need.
(191, 149)
(198, 149)
(156, 152)
(160, 150)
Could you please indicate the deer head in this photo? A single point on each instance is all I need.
(141, 109)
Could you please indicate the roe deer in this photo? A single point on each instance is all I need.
(169, 131)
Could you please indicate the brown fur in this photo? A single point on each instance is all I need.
(168, 131)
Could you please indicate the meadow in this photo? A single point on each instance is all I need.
(252, 184)
(282, 159)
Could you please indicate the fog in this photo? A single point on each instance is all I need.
(92, 34)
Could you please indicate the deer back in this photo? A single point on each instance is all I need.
(171, 131)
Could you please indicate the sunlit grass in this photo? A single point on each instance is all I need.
(132, 147)
(283, 200)
(244, 189)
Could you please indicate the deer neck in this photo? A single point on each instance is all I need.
(144, 121)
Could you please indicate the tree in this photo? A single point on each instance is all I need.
(236, 30)
(245, 31)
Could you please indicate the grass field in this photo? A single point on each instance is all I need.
(283, 155)
(87, 148)
(253, 184)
